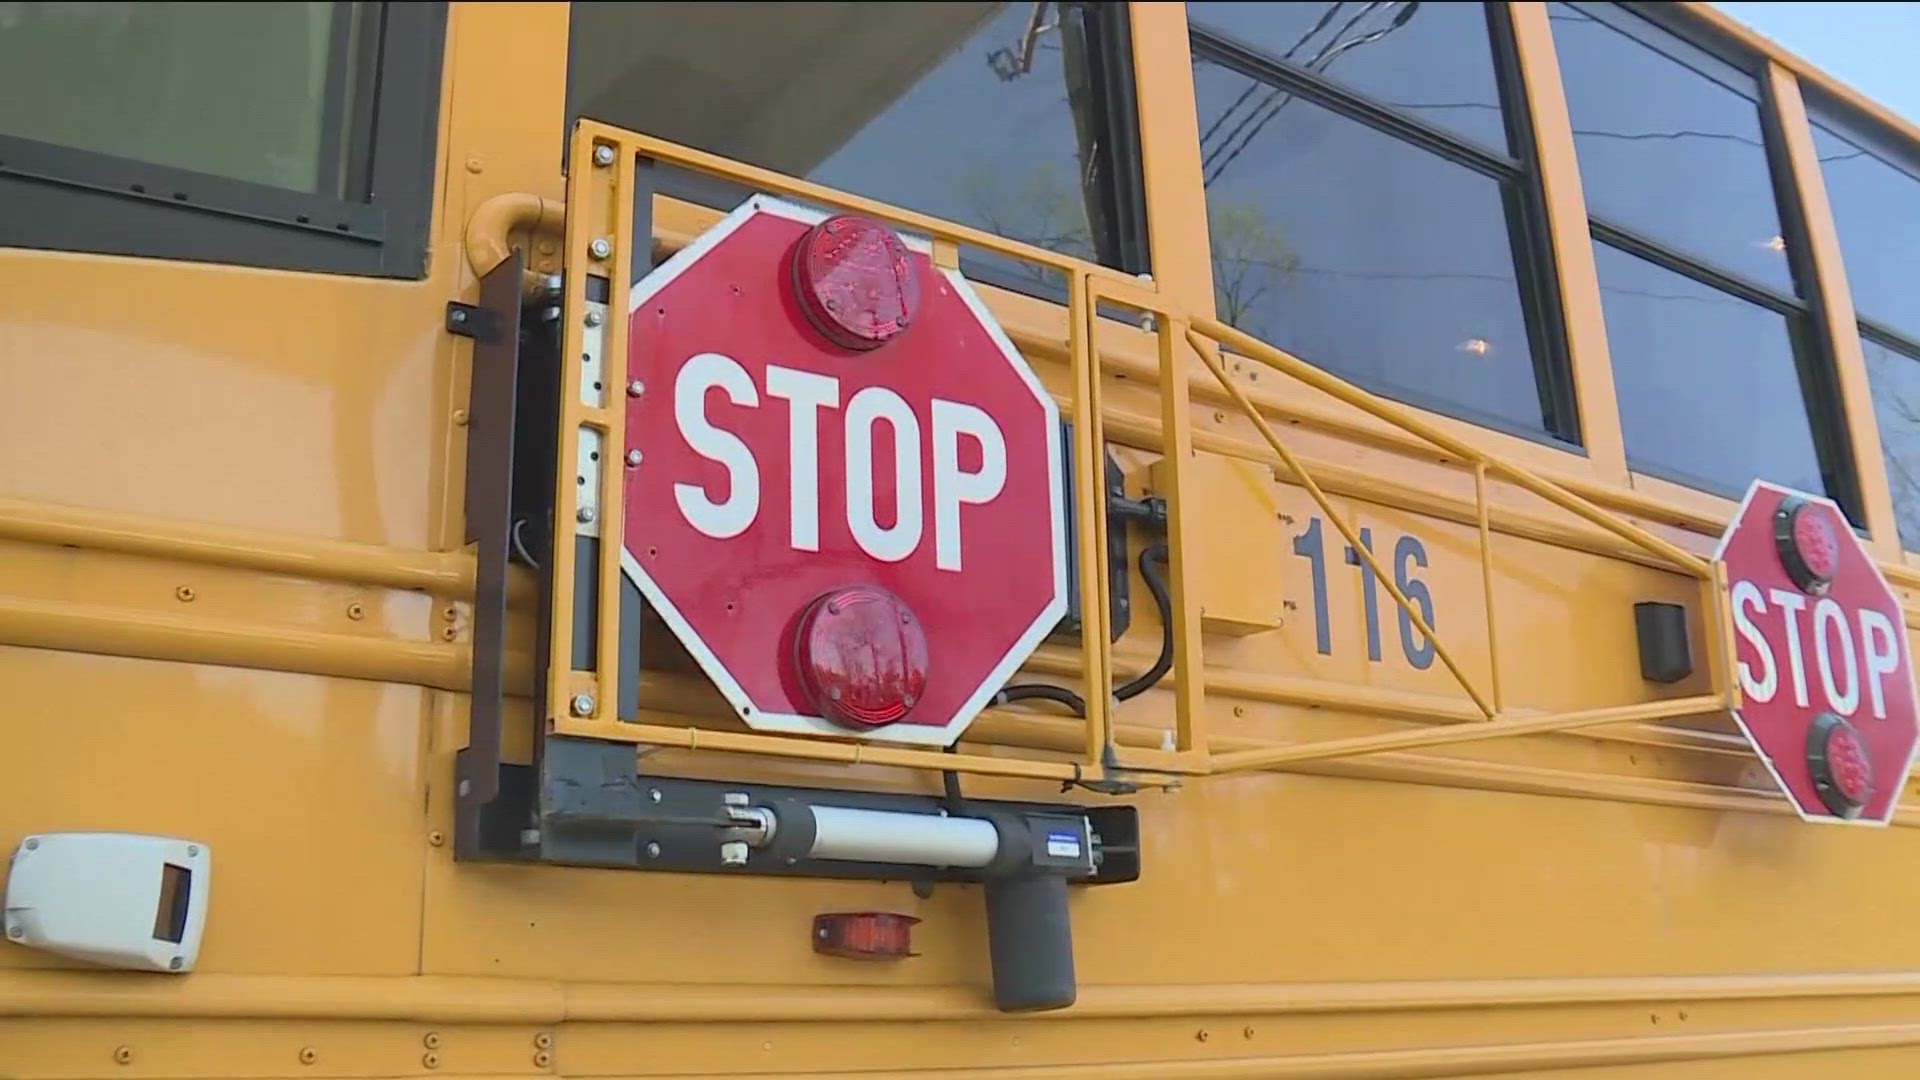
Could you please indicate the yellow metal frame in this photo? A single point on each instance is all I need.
(600, 202)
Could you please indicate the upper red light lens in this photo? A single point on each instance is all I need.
(857, 283)
(1805, 538)
(1813, 535)
(861, 657)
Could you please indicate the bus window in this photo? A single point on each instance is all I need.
(1013, 118)
(1874, 189)
(1714, 362)
(250, 133)
(1371, 205)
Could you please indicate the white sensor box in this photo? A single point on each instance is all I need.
(119, 899)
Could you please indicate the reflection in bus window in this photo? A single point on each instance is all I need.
(1650, 121)
(1385, 256)
(1874, 190)
(1718, 378)
(1876, 210)
(1433, 61)
(1894, 376)
(166, 84)
(1012, 118)
(1709, 385)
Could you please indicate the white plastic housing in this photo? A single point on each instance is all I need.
(841, 832)
(118, 899)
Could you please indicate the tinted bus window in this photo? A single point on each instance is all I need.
(973, 112)
(1364, 212)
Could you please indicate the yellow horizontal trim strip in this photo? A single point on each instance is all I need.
(463, 999)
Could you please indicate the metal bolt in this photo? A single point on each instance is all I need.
(1203, 1035)
(431, 1040)
(583, 704)
(653, 851)
(542, 1059)
(585, 514)
(603, 154)
(459, 418)
(600, 248)
(593, 318)
(529, 837)
(123, 1054)
(555, 283)
(653, 794)
(193, 851)
(636, 388)
(436, 837)
(356, 612)
(430, 1059)
(184, 594)
(733, 853)
(633, 457)
(735, 798)
(308, 1055)
(550, 313)
(457, 316)
(174, 964)
(33, 845)
(16, 932)
(542, 1041)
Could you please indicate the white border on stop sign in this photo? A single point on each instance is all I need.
(1733, 655)
(921, 734)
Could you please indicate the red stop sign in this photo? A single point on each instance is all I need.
(856, 528)
(1820, 651)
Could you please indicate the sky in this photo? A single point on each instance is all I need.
(1868, 46)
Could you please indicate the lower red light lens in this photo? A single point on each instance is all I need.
(861, 656)
(1841, 769)
(1809, 548)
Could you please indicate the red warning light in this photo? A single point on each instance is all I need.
(864, 935)
(1809, 550)
(861, 656)
(856, 282)
(1837, 759)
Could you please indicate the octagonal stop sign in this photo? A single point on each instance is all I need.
(843, 483)
(1820, 652)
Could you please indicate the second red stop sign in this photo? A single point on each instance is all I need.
(843, 483)
(1820, 652)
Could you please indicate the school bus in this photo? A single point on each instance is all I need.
(1411, 359)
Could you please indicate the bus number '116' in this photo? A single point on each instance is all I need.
(1408, 554)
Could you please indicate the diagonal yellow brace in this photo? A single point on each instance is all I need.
(1343, 391)
(1326, 749)
(1211, 358)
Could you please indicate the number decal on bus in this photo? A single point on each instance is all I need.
(1408, 554)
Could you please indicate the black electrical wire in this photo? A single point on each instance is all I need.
(1150, 559)
(1047, 692)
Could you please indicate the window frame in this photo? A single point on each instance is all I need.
(1529, 235)
(1744, 72)
(66, 199)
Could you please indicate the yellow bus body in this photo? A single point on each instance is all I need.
(235, 605)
